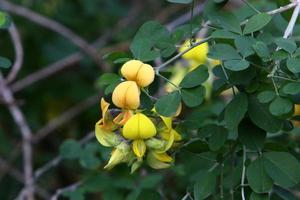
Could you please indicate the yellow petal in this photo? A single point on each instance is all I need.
(154, 162)
(104, 107)
(119, 154)
(135, 70)
(139, 148)
(145, 75)
(126, 95)
(123, 117)
(139, 126)
(130, 69)
(163, 157)
(106, 138)
(170, 137)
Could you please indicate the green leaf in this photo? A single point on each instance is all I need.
(258, 179)
(150, 181)
(205, 185)
(288, 44)
(145, 43)
(218, 137)
(195, 77)
(70, 149)
(255, 196)
(223, 34)
(223, 52)
(283, 168)
(180, 1)
(193, 97)
(107, 79)
(266, 96)
(234, 116)
(244, 45)
(251, 136)
(229, 22)
(293, 64)
(5, 63)
(291, 88)
(261, 116)
(5, 20)
(257, 22)
(281, 106)
(88, 157)
(168, 104)
(236, 65)
(261, 50)
(2, 18)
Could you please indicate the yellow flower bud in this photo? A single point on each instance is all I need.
(158, 160)
(155, 143)
(139, 126)
(198, 53)
(126, 95)
(139, 148)
(120, 154)
(105, 137)
(135, 70)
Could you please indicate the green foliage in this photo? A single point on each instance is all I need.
(168, 104)
(256, 23)
(195, 77)
(4, 63)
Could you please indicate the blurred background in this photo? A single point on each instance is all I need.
(58, 92)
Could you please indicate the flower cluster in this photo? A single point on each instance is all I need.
(132, 134)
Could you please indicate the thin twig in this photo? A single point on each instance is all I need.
(182, 53)
(54, 26)
(251, 6)
(55, 161)
(65, 117)
(4, 165)
(69, 188)
(243, 173)
(19, 54)
(26, 137)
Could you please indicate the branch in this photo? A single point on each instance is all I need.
(55, 161)
(26, 137)
(19, 53)
(54, 26)
(69, 188)
(4, 165)
(243, 173)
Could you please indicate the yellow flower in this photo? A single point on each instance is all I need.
(139, 126)
(139, 148)
(104, 128)
(135, 70)
(105, 137)
(120, 154)
(126, 95)
(198, 53)
(159, 160)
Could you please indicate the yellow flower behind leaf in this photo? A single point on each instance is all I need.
(139, 126)
(198, 53)
(126, 95)
(135, 70)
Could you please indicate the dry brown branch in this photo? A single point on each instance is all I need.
(26, 137)
(54, 26)
(65, 117)
(16, 40)
(5, 166)
(55, 161)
